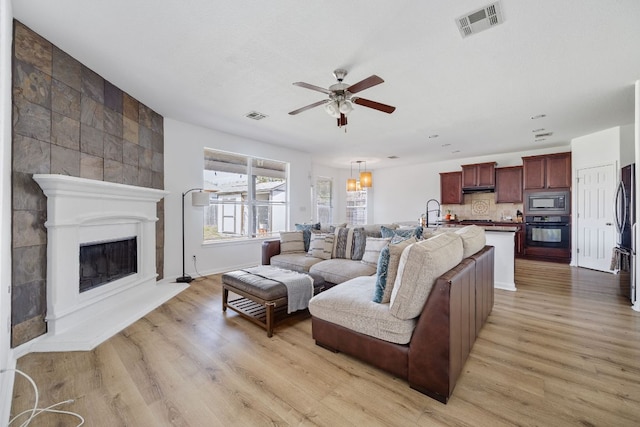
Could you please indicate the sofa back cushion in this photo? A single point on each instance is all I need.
(291, 242)
(420, 265)
(473, 239)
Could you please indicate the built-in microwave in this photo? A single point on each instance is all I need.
(547, 203)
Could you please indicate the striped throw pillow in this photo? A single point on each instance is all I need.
(291, 242)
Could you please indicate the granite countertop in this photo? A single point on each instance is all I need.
(501, 227)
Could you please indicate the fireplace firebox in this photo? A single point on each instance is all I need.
(107, 261)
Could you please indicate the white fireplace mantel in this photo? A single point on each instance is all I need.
(83, 211)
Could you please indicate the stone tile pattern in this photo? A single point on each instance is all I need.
(68, 120)
(482, 206)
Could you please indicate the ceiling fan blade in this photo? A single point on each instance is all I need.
(365, 84)
(308, 107)
(313, 87)
(342, 120)
(373, 104)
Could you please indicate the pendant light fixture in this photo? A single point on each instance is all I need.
(365, 178)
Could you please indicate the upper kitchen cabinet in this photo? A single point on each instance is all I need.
(479, 176)
(509, 185)
(547, 171)
(451, 188)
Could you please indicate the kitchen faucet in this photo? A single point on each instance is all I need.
(432, 210)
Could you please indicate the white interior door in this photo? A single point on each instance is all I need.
(596, 232)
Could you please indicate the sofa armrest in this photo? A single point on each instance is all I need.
(444, 333)
(269, 249)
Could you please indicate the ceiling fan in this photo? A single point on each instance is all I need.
(341, 97)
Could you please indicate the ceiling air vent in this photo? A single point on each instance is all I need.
(255, 115)
(480, 20)
(544, 135)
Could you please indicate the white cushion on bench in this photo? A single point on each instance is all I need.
(350, 305)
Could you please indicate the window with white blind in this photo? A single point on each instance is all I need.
(248, 196)
(357, 207)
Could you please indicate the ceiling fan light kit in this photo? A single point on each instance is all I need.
(341, 99)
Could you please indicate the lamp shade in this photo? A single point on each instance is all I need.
(332, 109)
(366, 180)
(346, 107)
(351, 184)
(200, 198)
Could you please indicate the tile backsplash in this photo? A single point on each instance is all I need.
(483, 206)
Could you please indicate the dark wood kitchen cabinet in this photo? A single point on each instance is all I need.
(479, 175)
(451, 188)
(550, 171)
(509, 184)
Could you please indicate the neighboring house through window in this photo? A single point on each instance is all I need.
(248, 196)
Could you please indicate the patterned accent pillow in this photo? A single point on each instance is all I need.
(343, 243)
(359, 244)
(403, 232)
(306, 232)
(372, 250)
(381, 273)
(321, 245)
(291, 242)
(396, 247)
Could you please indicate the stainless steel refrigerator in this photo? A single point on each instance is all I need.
(625, 218)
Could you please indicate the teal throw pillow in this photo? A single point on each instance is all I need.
(402, 232)
(306, 232)
(381, 273)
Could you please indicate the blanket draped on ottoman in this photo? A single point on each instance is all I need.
(299, 285)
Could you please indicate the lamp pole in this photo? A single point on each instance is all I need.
(185, 278)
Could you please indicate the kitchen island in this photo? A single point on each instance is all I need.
(503, 239)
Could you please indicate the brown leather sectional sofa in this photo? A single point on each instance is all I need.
(457, 307)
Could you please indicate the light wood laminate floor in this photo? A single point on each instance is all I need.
(562, 350)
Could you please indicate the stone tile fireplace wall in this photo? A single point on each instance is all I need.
(68, 120)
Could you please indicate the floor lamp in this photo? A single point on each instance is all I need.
(199, 198)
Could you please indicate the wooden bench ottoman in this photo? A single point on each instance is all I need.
(262, 301)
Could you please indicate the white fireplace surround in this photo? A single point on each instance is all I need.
(85, 211)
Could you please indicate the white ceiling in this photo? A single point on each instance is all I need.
(210, 62)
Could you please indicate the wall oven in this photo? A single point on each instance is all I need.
(552, 231)
(547, 203)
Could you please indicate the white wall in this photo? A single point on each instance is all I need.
(596, 149)
(184, 163)
(401, 193)
(6, 356)
(337, 202)
(627, 145)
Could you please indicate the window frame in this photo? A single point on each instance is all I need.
(250, 203)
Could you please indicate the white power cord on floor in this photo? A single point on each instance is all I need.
(37, 411)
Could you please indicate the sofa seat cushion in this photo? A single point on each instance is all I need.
(349, 305)
(296, 261)
(340, 270)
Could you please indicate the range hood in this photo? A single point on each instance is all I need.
(471, 190)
